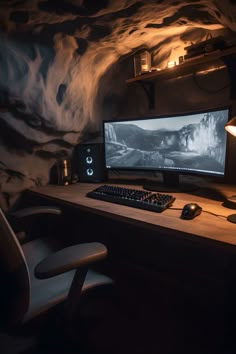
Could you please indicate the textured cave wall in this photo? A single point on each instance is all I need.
(63, 66)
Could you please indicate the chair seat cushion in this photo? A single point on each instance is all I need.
(46, 293)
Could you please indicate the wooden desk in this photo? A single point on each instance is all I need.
(206, 225)
(176, 277)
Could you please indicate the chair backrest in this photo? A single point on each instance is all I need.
(14, 276)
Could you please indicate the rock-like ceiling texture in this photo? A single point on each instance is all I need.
(53, 56)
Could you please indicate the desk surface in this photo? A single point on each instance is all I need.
(205, 225)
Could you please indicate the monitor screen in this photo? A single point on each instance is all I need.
(192, 143)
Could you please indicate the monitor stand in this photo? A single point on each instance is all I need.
(170, 184)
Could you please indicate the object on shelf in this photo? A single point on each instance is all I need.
(204, 47)
(203, 63)
(181, 59)
(171, 64)
(142, 63)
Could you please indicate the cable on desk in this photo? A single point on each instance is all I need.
(218, 215)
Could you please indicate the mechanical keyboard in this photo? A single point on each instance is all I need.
(136, 198)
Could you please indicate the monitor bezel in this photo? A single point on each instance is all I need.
(163, 170)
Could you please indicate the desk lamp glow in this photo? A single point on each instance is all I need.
(230, 127)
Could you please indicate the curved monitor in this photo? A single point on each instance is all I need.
(189, 143)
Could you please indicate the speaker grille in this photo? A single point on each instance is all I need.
(90, 163)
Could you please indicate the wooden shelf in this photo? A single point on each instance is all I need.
(189, 66)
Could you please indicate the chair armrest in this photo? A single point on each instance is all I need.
(69, 258)
(37, 210)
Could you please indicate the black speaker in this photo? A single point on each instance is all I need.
(89, 162)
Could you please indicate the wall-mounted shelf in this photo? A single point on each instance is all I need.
(187, 67)
(200, 63)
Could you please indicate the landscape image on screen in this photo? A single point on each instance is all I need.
(195, 142)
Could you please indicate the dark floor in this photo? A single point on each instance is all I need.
(50, 334)
(128, 323)
(13, 345)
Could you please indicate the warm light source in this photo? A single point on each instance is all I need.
(171, 64)
(230, 127)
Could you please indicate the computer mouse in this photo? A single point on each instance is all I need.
(190, 211)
